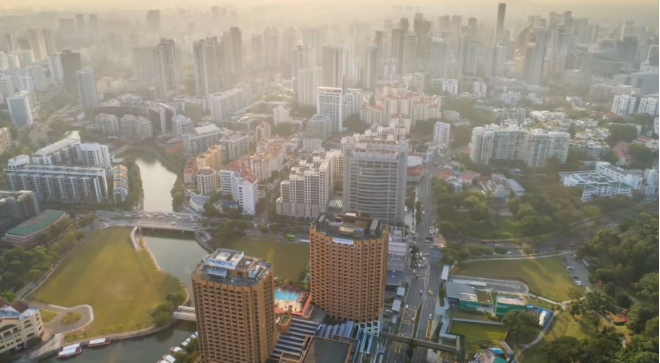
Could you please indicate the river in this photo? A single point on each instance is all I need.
(176, 254)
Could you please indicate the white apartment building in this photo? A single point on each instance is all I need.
(18, 324)
(207, 181)
(305, 194)
(20, 110)
(72, 152)
(374, 115)
(330, 102)
(282, 114)
(65, 184)
(649, 105)
(619, 175)
(317, 127)
(651, 185)
(308, 81)
(181, 125)
(107, 124)
(444, 85)
(224, 104)
(595, 184)
(239, 182)
(512, 143)
(336, 160)
(441, 134)
(624, 105)
(200, 139)
(234, 145)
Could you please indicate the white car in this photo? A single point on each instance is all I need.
(430, 316)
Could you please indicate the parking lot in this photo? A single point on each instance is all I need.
(577, 270)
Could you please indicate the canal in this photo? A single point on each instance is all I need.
(177, 254)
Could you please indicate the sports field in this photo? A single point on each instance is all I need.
(288, 259)
(121, 285)
(547, 277)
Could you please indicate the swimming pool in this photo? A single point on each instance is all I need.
(286, 295)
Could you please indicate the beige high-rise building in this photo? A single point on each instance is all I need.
(234, 303)
(348, 260)
(211, 158)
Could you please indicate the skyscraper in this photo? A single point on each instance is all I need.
(499, 28)
(499, 58)
(272, 49)
(311, 37)
(398, 36)
(438, 57)
(71, 64)
(38, 44)
(308, 81)
(20, 110)
(375, 176)
(333, 71)
(409, 53)
(207, 54)
(234, 308)
(49, 40)
(535, 57)
(472, 54)
(143, 60)
(371, 67)
(348, 265)
(300, 59)
(236, 49)
(153, 20)
(166, 66)
(258, 60)
(55, 67)
(330, 102)
(87, 88)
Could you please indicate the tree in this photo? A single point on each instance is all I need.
(562, 350)
(651, 328)
(643, 156)
(638, 315)
(520, 324)
(575, 309)
(527, 249)
(354, 124)
(575, 293)
(8, 296)
(597, 302)
(648, 286)
(462, 136)
(640, 350)
(620, 132)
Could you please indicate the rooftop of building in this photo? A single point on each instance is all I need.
(326, 350)
(510, 300)
(56, 146)
(349, 225)
(232, 267)
(36, 223)
(17, 310)
(17, 195)
(460, 291)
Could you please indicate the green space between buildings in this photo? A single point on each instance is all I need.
(547, 277)
(289, 259)
(122, 285)
(47, 316)
(478, 334)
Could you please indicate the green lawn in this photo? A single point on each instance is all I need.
(563, 325)
(547, 277)
(122, 286)
(455, 313)
(47, 316)
(71, 318)
(288, 259)
(478, 334)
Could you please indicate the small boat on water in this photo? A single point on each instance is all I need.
(69, 353)
(168, 358)
(72, 346)
(102, 342)
(175, 350)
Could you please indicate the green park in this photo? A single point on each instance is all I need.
(122, 285)
(547, 277)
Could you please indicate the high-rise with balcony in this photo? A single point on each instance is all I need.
(87, 89)
(20, 110)
(308, 81)
(234, 307)
(208, 65)
(348, 265)
(71, 64)
(305, 194)
(166, 66)
(375, 176)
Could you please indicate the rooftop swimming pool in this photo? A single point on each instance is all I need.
(286, 295)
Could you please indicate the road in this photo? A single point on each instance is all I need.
(86, 312)
(419, 303)
(166, 219)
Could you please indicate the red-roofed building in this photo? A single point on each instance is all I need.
(237, 180)
(445, 174)
(468, 176)
(620, 150)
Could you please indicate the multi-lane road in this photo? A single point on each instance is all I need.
(420, 301)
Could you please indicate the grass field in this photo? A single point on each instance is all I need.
(47, 316)
(288, 259)
(122, 286)
(477, 335)
(70, 318)
(547, 277)
(563, 325)
(455, 313)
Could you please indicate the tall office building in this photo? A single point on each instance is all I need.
(234, 308)
(20, 110)
(311, 37)
(535, 57)
(236, 44)
(471, 60)
(371, 67)
(441, 134)
(300, 59)
(307, 83)
(37, 44)
(348, 265)
(49, 40)
(207, 54)
(398, 36)
(143, 60)
(166, 66)
(375, 171)
(87, 88)
(409, 53)
(272, 48)
(153, 20)
(499, 58)
(333, 70)
(499, 27)
(257, 43)
(71, 64)
(80, 23)
(438, 57)
(330, 102)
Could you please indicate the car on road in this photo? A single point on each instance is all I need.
(579, 283)
(570, 267)
(575, 277)
(430, 292)
(430, 316)
(421, 292)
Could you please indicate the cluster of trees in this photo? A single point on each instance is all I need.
(163, 313)
(354, 124)
(86, 219)
(604, 348)
(457, 210)
(284, 129)
(621, 132)
(20, 266)
(178, 195)
(642, 155)
(522, 326)
(134, 185)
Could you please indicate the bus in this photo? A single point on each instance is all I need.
(290, 236)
